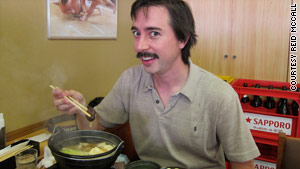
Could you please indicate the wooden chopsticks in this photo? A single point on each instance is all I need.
(12, 153)
(75, 103)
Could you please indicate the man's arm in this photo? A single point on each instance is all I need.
(83, 6)
(243, 165)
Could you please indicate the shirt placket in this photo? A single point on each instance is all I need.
(157, 103)
(159, 107)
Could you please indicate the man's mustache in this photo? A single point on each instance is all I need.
(147, 54)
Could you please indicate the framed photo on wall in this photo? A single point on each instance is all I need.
(82, 19)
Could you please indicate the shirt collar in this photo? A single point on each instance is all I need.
(187, 89)
(191, 83)
(148, 85)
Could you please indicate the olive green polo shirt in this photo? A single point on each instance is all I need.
(200, 123)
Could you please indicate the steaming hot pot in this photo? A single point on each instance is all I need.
(60, 139)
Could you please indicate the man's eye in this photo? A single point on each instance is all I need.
(154, 33)
(136, 33)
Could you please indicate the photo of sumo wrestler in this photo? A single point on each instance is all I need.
(82, 19)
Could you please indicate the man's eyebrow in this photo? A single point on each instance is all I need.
(152, 28)
(148, 28)
(134, 28)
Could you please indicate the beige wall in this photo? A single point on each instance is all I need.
(29, 61)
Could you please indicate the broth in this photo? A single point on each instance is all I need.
(84, 148)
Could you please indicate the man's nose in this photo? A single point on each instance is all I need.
(143, 43)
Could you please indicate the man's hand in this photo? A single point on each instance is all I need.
(63, 104)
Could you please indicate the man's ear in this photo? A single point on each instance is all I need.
(183, 43)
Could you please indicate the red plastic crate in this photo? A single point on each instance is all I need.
(264, 91)
(268, 152)
(262, 164)
(267, 134)
(228, 165)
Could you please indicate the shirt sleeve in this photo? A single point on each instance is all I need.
(233, 132)
(112, 110)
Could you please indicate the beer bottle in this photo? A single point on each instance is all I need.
(257, 101)
(269, 103)
(245, 98)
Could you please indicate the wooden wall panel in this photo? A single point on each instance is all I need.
(255, 31)
(260, 33)
(213, 27)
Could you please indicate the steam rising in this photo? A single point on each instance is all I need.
(57, 75)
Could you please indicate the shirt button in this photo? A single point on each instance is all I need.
(157, 101)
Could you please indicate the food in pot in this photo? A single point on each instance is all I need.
(83, 149)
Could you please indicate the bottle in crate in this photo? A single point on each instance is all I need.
(256, 101)
(245, 98)
(295, 107)
(281, 99)
(269, 103)
(282, 105)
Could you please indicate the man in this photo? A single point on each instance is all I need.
(94, 5)
(73, 7)
(82, 9)
(179, 114)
